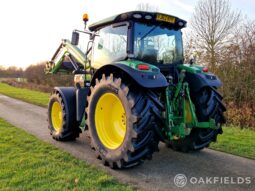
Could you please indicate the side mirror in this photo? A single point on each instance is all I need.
(75, 38)
(193, 58)
(191, 61)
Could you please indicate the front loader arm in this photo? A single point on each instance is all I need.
(77, 58)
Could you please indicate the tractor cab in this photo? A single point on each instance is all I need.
(154, 38)
(148, 37)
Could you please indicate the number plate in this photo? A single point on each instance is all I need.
(165, 18)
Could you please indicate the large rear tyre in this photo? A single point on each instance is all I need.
(121, 122)
(208, 104)
(61, 121)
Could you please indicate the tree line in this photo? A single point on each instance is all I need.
(35, 77)
(11, 72)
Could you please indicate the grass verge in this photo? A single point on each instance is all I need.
(30, 96)
(236, 141)
(27, 163)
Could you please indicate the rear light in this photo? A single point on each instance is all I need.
(143, 67)
(205, 69)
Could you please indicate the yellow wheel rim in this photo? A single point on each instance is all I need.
(110, 119)
(56, 116)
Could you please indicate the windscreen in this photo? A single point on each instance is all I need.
(157, 45)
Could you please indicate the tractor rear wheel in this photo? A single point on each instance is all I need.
(121, 122)
(61, 122)
(208, 104)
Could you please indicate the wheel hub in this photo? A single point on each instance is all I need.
(56, 116)
(110, 119)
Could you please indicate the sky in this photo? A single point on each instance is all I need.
(31, 30)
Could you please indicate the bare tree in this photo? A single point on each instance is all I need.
(212, 23)
(146, 7)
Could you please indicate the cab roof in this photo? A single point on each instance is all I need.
(141, 16)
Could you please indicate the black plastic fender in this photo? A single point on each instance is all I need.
(143, 78)
(199, 80)
(75, 101)
(81, 100)
(68, 96)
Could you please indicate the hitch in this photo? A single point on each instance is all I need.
(180, 111)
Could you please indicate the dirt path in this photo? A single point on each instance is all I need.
(157, 174)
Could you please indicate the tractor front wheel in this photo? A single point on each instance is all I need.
(121, 122)
(61, 121)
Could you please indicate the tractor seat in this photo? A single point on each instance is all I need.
(150, 55)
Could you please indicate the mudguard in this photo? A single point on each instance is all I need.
(68, 96)
(75, 100)
(199, 80)
(146, 79)
(81, 100)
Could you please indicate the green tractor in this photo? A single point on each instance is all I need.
(132, 90)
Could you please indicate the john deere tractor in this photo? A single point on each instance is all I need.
(133, 90)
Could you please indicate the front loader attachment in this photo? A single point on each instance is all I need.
(68, 58)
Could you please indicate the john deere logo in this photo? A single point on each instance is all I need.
(180, 180)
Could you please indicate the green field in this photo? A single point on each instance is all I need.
(234, 140)
(27, 163)
(35, 97)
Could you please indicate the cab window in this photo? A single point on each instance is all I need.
(110, 45)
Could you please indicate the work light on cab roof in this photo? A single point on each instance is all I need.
(85, 19)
